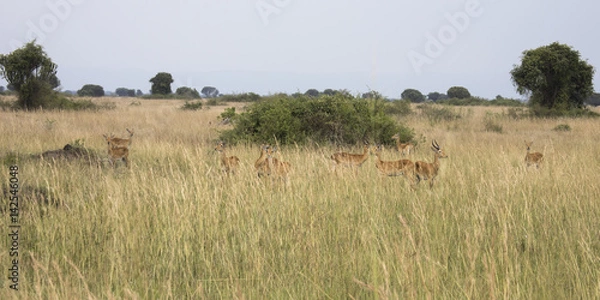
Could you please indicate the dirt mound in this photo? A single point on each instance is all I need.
(69, 152)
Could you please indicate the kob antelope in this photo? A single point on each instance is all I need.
(229, 164)
(424, 170)
(394, 168)
(119, 142)
(533, 158)
(116, 152)
(278, 167)
(351, 160)
(404, 148)
(262, 163)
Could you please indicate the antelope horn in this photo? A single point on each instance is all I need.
(435, 145)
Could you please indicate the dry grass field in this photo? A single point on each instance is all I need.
(173, 227)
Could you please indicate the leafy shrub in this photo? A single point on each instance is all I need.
(192, 105)
(562, 127)
(478, 101)
(491, 125)
(335, 118)
(228, 113)
(63, 103)
(185, 92)
(398, 107)
(214, 102)
(516, 113)
(436, 114)
(543, 112)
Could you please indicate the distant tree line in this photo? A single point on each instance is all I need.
(554, 78)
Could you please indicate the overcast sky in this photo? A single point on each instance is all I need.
(270, 46)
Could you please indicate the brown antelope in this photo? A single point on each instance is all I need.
(119, 142)
(404, 148)
(117, 153)
(351, 160)
(231, 163)
(424, 170)
(278, 167)
(394, 168)
(533, 158)
(262, 163)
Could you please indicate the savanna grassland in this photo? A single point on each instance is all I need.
(173, 227)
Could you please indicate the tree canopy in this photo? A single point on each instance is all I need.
(161, 84)
(554, 76)
(413, 95)
(210, 91)
(187, 92)
(458, 92)
(125, 92)
(30, 72)
(91, 90)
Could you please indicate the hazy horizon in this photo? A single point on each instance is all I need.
(271, 46)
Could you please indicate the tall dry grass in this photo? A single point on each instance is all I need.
(172, 226)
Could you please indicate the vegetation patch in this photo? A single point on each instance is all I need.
(340, 118)
(562, 127)
(192, 105)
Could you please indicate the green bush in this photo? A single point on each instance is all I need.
(337, 118)
(562, 127)
(478, 101)
(398, 107)
(192, 105)
(543, 112)
(246, 97)
(436, 113)
(491, 125)
(228, 113)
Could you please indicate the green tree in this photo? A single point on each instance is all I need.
(32, 74)
(161, 84)
(435, 96)
(125, 92)
(210, 91)
(312, 93)
(91, 90)
(458, 92)
(413, 95)
(187, 92)
(594, 99)
(554, 77)
(329, 92)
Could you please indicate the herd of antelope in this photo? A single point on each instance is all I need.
(268, 165)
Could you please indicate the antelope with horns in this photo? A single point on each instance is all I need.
(116, 152)
(229, 164)
(119, 142)
(278, 167)
(424, 170)
(262, 163)
(351, 160)
(404, 148)
(533, 158)
(394, 168)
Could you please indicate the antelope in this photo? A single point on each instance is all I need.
(119, 142)
(117, 153)
(394, 168)
(404, 148)
(231, 163)
(352, 160)
(280, 168)
(262, 164)
(424, 170)
(534, 158)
